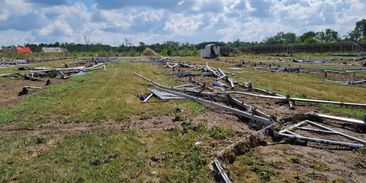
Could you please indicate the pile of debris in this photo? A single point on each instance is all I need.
(350, 75)
(285, 121)
(45, 74)
(36, 73)
(6, 63)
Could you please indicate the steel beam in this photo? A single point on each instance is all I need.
(295, 99)
(342, 119)
(237, 112)
(221, 171)
(292, 135)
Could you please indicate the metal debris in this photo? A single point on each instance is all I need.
(221, 171)
(341, 119)
(219, 84)
(163, 95)
(145, 98)
(252, 117)
(27, 89)
(296, 99)
(226, 101)
(289, 133)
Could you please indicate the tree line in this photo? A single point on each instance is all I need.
(172, 48)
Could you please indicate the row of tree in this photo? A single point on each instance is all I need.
(172, 48)
(327, 36)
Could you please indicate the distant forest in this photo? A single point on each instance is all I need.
(171, 48)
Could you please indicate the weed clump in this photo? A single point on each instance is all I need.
(296, 160)
(250, 162)
(220, 133)
(214, 132)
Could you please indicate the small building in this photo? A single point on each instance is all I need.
(23, 49)
(210, 51)
(53, 50)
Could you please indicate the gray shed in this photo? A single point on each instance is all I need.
(210, 51)
(53, 50)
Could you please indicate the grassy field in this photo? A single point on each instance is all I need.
(38, 154)
(104, 95)
(104, 157)
(296, 85)
(98, 156)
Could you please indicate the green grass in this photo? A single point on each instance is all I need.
(249, 168)
(296, 160)
(345, 111)
(104, 157)
(307, 86)
(214, 132)
(99, 96)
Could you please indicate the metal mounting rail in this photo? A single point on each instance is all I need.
(292, 99)
(253, 117)
(342, 119)
(292, 135)
(221, 171)
(217, 163)
(247, 107)
(264, 120)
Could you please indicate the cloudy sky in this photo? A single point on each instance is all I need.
(151, 21)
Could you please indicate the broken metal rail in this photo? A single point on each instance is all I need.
(293, 99)
(337, 118)
(349, 83)
(246, 107)
(76, 69)
(323, 129)
(216, 162)
(264, 119)
(253, 117)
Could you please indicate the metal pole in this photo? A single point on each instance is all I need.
(294, 99)
(337, 132)
(349, 120)
(238, 112)
(221, 170)
(331, 142)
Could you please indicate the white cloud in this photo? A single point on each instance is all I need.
(252, 29)
(179, 25)
(151, 15)
(183, 20)
(116, 19)
(14, 37)
(60, 27)
(9, 7)
(358, 6)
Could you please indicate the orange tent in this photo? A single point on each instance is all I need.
(24, 49)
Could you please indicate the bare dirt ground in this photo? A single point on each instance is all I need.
(10, 88)
(303, 164)
(296, 162)
(208, 119)
(163, 123)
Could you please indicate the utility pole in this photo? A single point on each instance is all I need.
(86, 43)
(86, 40)
(127, 42)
